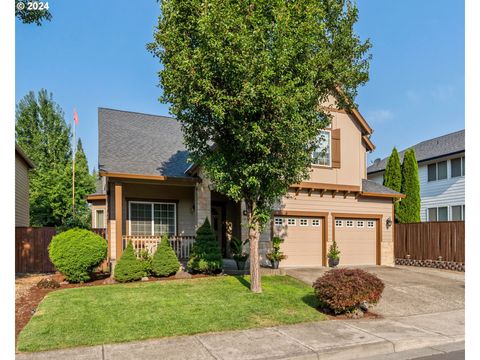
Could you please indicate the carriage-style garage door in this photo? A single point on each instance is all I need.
(303, 239)
(357, 240)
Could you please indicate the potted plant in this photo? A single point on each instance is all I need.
(236, 248)
(333, 255)
(275, 256)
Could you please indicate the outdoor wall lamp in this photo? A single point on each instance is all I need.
(388, 222)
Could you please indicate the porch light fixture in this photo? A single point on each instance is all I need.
(388, 222)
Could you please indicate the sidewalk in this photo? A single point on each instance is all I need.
(334, 339)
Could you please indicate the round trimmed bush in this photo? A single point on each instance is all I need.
(165, 260)
(76, 253)
(129, 268)
(343, 290)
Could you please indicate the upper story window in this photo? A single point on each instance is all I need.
(437, 171)
(457, 167)
(100, 218)
(323, 152)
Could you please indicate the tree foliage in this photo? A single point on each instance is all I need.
(205, 256)
(165, 261)
(31, 16)
(409, 207)
(128, 267)
(248, 77)
(393, 175)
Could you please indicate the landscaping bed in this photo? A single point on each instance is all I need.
(91, 315)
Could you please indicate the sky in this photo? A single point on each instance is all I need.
(92, 54)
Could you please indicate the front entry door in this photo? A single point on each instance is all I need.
(217, 222)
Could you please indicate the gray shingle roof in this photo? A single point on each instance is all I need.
(434, 148)
(136, 143)
(369, 186)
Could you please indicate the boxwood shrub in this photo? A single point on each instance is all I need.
(129, 268)
(76, 253)
(343, 290)
(165, 260)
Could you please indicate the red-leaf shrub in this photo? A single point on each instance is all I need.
(343, 290)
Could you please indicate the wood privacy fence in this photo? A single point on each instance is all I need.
(31, 249)
(429, 240)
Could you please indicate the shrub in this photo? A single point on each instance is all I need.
(76, 253)
(343, 290)
(276, 254)
(409, 207)
(206, 256)
(165, 260)
(146, 259)
(129, 268)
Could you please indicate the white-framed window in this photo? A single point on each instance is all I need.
(322, 155)
(303, 222)
(438, 213)
(457, 167)
(457, 212)
(315, 222)
(338, 223)
(291, 222)
(360, 224)
(370, 224)
(349, 223)
(278, 221)
(99, 219)
(152, 218)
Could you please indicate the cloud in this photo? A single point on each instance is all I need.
(380, 116)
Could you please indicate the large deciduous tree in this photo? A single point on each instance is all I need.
(409, 207)
(393, 175)
(248, 77)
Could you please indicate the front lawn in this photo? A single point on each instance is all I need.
(117, 313)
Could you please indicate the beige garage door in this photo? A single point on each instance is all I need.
(303, 240)
(357, 241)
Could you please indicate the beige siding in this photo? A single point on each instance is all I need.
(98, 205)
(22, 208)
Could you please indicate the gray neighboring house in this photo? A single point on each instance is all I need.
(441, 170)
(22, 208)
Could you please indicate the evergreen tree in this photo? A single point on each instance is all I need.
(128, 267)
(165, 261)
(206, 256)
(393, 176)
(409, 207)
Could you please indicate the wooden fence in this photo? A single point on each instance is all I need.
(429, 240)
(31, 249)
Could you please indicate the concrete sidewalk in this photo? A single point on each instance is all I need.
(334, 339)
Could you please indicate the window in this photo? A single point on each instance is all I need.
(438, 214)
(303, 222)
(360, 224)
(315, 222)
(148, 218)
(349, 223)
(432, 172)
(458, 212)
(370, 224)
(100, 218)
(463, 167)
(322, 154)
(278, 221)
(338, 223)
(291, 221)
(432, 214)
(456, 167)
(441, 170)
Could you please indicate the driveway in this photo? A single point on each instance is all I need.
(408, 290)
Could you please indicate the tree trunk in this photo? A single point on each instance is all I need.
(253, 237)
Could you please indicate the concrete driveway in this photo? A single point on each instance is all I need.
(408, 290)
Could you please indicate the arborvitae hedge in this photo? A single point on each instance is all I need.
(165, 260)
(409, 207)
(206, 256)
(393, 176)
(129, 268)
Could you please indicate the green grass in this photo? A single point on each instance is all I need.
(118, 313)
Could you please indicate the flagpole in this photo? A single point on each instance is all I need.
(73, 167)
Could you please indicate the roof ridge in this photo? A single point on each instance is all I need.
(136, 112)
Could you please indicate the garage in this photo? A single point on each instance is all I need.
(357, 240)
(303, 239)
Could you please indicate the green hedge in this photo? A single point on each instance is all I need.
(165, 260)
(76, 253)
(129, 268)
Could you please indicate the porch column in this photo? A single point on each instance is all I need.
(202, 202)
(118, 221)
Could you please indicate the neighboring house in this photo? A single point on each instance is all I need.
(22, 208)
(148, 188)
(441, 171)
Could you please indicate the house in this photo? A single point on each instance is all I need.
(22, 208)
(149, 188)
(441, 171)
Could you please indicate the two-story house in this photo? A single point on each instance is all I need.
(441, 171)
(148, 188)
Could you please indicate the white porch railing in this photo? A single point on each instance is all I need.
(182, 245)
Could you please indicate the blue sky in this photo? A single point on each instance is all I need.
(92, 54)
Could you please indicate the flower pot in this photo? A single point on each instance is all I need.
(241, 265)
(333, 262)
(275, 264)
